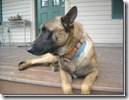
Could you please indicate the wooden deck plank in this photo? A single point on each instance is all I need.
(110, 77)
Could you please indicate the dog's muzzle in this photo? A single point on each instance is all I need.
(35, 50)
(30, 48)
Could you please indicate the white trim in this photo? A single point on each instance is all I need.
(33, 23)
(66, 6)
(108, 44)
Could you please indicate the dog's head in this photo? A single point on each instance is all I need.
(53, 34)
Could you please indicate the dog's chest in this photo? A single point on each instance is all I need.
(70, 67)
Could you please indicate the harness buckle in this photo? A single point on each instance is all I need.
(65, 59)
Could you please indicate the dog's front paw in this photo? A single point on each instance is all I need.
(23, 65)
(85, 89)
(67, 90)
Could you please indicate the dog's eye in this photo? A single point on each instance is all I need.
(43, 29)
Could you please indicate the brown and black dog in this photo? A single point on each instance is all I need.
(64, 41)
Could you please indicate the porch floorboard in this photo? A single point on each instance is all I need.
(110, 79)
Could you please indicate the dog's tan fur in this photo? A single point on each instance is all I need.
(84, 65)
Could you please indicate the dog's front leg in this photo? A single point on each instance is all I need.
(47, 58)
(88, 81)
(66, 82)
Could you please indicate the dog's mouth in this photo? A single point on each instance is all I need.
(33, 50)
(38, 51)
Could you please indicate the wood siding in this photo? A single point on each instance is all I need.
(12, 8)
(95, 15)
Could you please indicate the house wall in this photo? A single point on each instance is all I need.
(96, 17)
(0, 35)
(12, 8)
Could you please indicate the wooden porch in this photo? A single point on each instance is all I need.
(42, 80)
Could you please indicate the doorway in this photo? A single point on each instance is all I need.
(47, 9)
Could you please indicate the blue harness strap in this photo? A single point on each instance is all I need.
(79, 51)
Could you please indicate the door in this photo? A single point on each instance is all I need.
(46, 9)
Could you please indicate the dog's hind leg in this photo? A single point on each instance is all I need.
(47, 58)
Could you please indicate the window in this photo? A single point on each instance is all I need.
(44, 3)
(117, 9)
(56, 2)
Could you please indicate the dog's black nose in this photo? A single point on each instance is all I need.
(30, 48)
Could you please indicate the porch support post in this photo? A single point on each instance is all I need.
(33, 19)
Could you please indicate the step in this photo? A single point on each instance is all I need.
(41, 79)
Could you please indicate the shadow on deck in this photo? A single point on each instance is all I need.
(42, 80)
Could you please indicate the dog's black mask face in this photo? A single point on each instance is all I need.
(44, 42)
(53, 34)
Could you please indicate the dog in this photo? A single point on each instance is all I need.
(63, 40)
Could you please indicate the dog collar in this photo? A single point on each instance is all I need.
(76, 51)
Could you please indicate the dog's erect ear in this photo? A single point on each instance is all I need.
(69, 18)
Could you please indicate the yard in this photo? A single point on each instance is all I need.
(41, 79)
